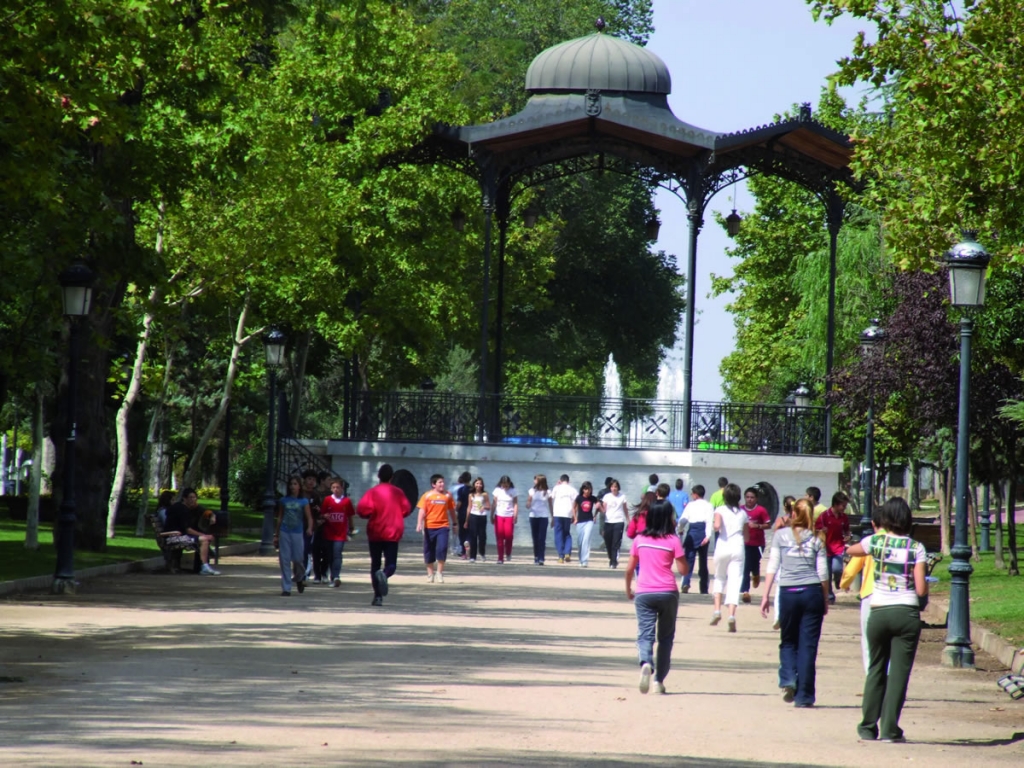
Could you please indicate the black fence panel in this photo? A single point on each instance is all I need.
(436, 417)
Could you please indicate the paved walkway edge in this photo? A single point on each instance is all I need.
(35, 583)
(985, 639)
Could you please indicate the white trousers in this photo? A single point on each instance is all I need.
(728, 573)
(865, 612)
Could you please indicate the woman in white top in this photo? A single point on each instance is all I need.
(504, 513)
(730, 552)
(616, 513)
(478, 507)
(540, 506)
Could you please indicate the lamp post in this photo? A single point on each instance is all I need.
(76, 292)
(871, 340)
(967, 262)
(274, 343)
(800, 398)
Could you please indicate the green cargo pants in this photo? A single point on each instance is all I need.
(893, 633)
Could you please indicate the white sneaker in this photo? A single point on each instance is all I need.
(645, 677)
(659, 687)
(430, 578)
(206, 570)
(732, 623)
(440, 578)
(715, 618)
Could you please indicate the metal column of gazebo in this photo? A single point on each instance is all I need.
(599, 102)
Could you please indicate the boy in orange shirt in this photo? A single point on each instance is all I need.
(435, 517)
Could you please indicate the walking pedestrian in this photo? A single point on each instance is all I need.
(337, 514)
(836, 525)
(436, 517)
(504, 514)
(638, 521)
(894, 627)
(656, 599)
(716, 499)
(583, 517)
(679, 498)
(460, 535)
(797, 563)
(696, 525)
(616, 513)
(758, 521)
(540, 506)
(730, 524)
(563, 500)
(294, 519)
(385, 507)
(479, 507)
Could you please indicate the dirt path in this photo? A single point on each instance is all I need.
(513, 665)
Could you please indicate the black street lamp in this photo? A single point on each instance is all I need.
(274, 343)
(76, 293)
(967, 262)
(871, 341)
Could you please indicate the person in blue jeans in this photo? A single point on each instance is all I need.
(293, 520)
(799, 564)
(656, 598)
(563, 498)
(695, 528)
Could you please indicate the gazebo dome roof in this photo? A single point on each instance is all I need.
(598, 62)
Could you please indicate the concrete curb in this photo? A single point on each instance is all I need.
(37, 583)
(981, 637)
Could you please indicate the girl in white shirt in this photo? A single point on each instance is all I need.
(540, 505)
(730, 552)
(504, 513)
(616, 513)
(479, 506)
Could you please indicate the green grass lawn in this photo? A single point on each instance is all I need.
(16, 562)
(997, 600)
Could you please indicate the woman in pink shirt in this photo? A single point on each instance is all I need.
(656, 598)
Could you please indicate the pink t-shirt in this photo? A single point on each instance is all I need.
(656, 557)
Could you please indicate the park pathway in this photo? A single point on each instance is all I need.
(500, 666)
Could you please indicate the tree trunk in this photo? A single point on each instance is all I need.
(298, 375)
(1011, 509)
(36, 478)
(147, 456)
(240, 340)
(1000, 497)
(914, 492)
(130, 398)
(946, 487)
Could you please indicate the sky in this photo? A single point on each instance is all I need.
(735, 64)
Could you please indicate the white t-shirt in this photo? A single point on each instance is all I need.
(700, 511)
(614, 508)
(564, 496)
(731, 534)
(476, 504)
(539, 503)
(503, 500)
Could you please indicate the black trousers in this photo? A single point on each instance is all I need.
(322, 553)
(388, 550)
(463, 532)
(613, 541)
(477, 536)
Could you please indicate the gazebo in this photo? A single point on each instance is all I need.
(601, 103)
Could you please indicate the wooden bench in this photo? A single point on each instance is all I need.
(170, 550)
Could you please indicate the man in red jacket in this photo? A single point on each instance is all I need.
(386, 507)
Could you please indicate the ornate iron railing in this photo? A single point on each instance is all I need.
(435, 417)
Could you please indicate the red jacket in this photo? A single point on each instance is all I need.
(386, 507)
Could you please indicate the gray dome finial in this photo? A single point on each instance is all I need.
(598, 62)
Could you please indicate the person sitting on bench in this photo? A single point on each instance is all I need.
(183, 525)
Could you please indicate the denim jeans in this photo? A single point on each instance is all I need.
(656, 615)
(697, 554)
(290, 548)
(563, 536)
(801, 612)
(584, 531)
(337, 548)
(539, 530)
